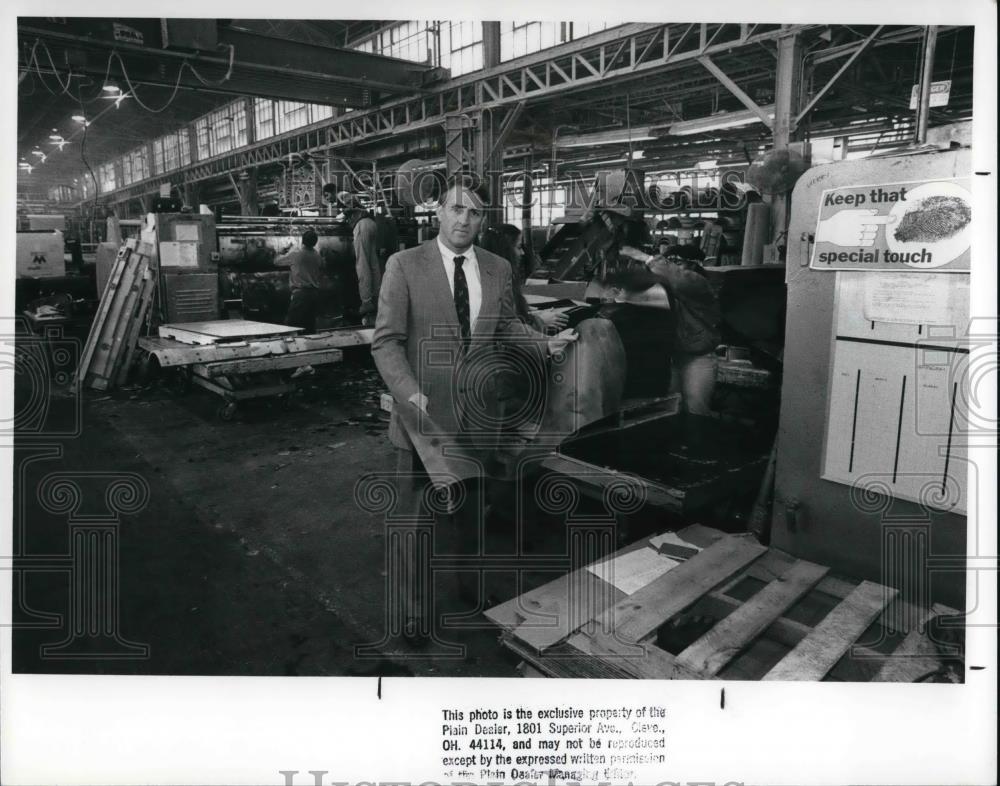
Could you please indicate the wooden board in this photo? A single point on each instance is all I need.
(122, 295)
(915, 657)
(142, 314)
(641, 661)
(709, 654)
(170, 353)
(643, 612)
(127, 320)
(314, 357)
(221, 330)
(782, 610)
(819, 652)
(541, 618)
(100, 317)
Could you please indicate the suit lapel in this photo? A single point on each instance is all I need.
(437, 280)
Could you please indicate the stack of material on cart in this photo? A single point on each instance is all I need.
(124, 309)
(701, 604)
(239, 359)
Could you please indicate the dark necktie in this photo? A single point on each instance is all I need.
(462, 299)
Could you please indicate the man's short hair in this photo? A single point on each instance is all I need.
(468, 183)
(310, 238)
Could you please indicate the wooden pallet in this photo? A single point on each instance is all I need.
(733, 610)
(125, 306)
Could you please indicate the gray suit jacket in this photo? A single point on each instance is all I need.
(417, 343)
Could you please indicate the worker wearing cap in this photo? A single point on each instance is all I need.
(366, 257)
(697, 319)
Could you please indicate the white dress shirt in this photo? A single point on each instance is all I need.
(471, 268)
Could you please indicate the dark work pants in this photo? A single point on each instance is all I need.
(456, 531)
(303, 309)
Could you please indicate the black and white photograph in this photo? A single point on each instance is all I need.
(371, 368)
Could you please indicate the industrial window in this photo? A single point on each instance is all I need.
(548, 201)
(462, 47)
(521, 38)
(135, 167)
(106, 177)
(61, 194)
(295, 114)
(171, 151)
(263, 116)
(415, 40)
(223, 130)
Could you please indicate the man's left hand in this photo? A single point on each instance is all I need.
(560, 341)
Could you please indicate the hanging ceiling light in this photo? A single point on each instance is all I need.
(111, 87)
(80, 119)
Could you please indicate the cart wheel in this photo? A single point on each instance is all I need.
(179, 382)
(149, 369)
(227, 411)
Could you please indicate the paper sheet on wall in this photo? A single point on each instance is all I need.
(914, 299)
(189, 232)
(633, 570)
(174, 254)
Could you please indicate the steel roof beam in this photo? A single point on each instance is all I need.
(736, 90)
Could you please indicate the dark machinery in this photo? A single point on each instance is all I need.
(253, 287)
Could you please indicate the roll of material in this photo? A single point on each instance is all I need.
(756, 234)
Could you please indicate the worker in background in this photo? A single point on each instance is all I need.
(366, 254)
(505, 241)
(304, 280)
(697, 319)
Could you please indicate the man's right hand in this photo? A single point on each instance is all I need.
(552, 319)
(419, 400)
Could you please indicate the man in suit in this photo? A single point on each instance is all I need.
(443, 308)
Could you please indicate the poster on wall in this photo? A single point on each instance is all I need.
(903, 227)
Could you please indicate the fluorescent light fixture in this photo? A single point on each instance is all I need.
(55, 137)
(38, 153)
(111, 87)
(718, 122)
(79, 118)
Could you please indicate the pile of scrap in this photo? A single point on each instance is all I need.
(126, 306)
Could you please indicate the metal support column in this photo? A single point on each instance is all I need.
(455, 154)
(926, 77)
(491, 44)
(787, 100)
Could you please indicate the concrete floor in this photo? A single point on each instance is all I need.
(251, 556)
